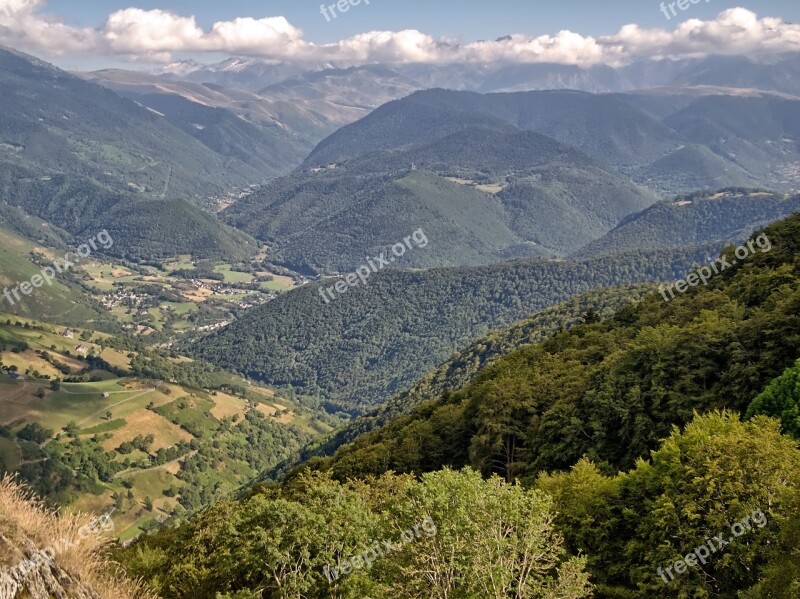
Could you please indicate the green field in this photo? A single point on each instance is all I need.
(232, 276)
(192, 414)
(48, 302)
(182, 309)
(107, 418)
(106, 427)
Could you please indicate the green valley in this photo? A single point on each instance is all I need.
(92, 422)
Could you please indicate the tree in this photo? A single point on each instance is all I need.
(781, 399)
(71, 428)
(488, 539)
(35, 432)
(698, 484)
(590, 316)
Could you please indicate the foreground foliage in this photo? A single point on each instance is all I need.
(695, 486)
(489, 539)
(494, 539)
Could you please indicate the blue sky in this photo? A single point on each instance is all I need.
(469, 19)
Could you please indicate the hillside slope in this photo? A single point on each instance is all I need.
(467, 364)
(483, 193)
(675, 141)
(142, 227)
(63, 301)
(608, 390)
(56, 123)
(298, 339)
(601, 126)
(729, 215)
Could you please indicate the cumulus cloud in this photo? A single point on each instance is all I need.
(155, 34)
(22, 25)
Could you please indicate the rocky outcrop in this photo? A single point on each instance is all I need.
(33, 576)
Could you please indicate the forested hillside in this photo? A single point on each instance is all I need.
(485, 192)
(728, 215)
(464, 366)
(142, 228)
(56, 123)
(608, 390)
(603, 127)
(377, 340)
(153, 229)
(83, 158)
(627, 436)
(675, 140)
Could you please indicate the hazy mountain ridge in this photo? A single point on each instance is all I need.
(672, 142)
(60, 124)
(483, 192)
(727, 216)
(599, 125)
(777, 73)
(82, 157)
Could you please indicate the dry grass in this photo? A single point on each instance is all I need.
(144, 422)
(25, 520)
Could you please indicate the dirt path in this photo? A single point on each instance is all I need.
(131, 471)
(96, 414)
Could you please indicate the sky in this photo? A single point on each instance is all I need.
(141, 33)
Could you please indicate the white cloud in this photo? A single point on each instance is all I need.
(133, 30)
(154, 34)
(23, 26)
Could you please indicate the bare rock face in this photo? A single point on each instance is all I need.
(38, 577)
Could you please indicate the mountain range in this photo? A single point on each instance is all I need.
(776, 73)
(512, 396)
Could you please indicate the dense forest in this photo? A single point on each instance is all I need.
(608, 390)
(377, 340)
(141, 228)
(483, 193)
(725, 215)
(592, 464)
(465, 365)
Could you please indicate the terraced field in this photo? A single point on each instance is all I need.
(156, 441)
